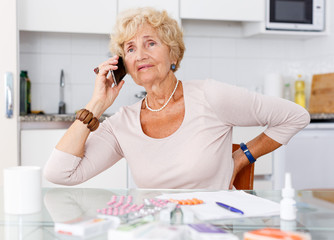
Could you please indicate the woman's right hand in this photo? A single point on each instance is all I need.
(105, 92)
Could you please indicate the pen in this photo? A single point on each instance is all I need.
(232, 209)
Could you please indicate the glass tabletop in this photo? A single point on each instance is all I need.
(315, 212)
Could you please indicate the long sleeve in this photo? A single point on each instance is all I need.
(101, 152)
(237, 106)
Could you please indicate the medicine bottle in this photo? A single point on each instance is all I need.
(288, 208)
(300, 92)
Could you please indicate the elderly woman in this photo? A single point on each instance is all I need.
(180, 134)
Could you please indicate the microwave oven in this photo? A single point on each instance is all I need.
(295, 15)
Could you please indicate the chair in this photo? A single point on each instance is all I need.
(245, 178)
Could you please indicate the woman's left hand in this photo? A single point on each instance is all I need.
(258, 146)
(240, 161)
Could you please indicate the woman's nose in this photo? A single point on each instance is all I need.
(140, 54)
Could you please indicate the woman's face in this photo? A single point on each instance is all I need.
(146, 58)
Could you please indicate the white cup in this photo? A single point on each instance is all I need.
(22, 190)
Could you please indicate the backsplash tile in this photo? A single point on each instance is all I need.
(82, 67)
(197, 46)
(51, 66)
(223, 47)
(197, 67)
(248, 48)
(224, 69)
(84, 44)
(55, 43)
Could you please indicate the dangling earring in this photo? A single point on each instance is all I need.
(173, 66)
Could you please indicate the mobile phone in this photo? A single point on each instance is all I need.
(119, 73)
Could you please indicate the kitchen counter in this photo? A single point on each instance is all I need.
(322, 117)
(49, 121)
(47, 118)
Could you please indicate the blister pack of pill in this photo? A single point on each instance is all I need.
(124, 208)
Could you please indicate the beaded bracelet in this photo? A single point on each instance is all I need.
(88, 118)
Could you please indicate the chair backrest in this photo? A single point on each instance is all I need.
(245, 178)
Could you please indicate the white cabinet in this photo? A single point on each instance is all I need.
(81, 16)
(227, 10)
(308, 157)
(37, 145)
(263, 165)
(77, 16)
(171, 6)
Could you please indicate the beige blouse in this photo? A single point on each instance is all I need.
(198, 155)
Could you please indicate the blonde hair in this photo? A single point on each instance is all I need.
(168, 30)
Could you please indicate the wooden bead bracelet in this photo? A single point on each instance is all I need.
(88, 118)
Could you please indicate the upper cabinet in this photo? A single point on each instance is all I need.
(77, 16)
(171, 6)
(99, 16)
(81, 16)
(227, 10)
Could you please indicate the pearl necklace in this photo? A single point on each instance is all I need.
(158, 110)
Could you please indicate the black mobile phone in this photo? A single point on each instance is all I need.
(119, 73)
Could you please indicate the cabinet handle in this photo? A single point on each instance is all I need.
(9, 98)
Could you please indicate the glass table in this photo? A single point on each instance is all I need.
(315, 212)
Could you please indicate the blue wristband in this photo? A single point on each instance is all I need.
(248, 154)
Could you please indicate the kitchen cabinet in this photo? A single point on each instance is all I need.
(263, 165)
(308, 157)
(171, 6)
(37, 145)
(8, 63)
(81, 16)
(227, 10)
(76, 16)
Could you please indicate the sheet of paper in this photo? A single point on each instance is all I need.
(251, 205)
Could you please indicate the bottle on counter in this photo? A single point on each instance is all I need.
(25, 93)
(288, 208)
(300, 92)
(28, 97)
(287, 91)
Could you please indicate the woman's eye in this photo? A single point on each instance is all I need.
(152, 44)
(130, 50)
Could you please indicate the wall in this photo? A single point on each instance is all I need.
(209, 54)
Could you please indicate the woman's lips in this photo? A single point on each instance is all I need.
(144, 66)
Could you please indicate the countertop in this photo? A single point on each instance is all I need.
(325, 117)
(50, 121)
(53, 118)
